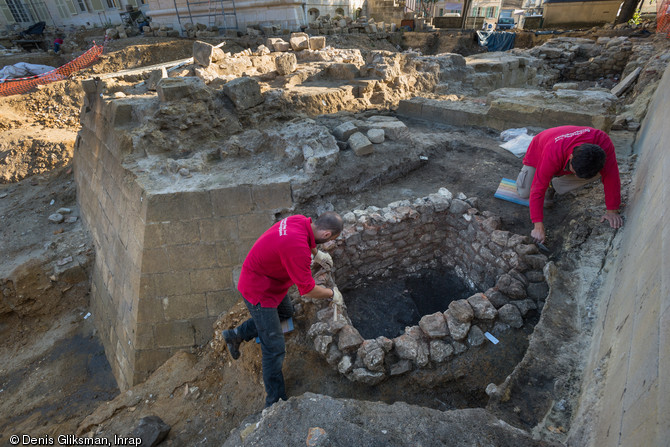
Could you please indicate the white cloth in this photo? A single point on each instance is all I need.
(23, 70)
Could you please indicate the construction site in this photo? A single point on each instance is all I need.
(141, 166)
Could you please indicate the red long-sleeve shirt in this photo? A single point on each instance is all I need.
(281, 257)
(549, 152)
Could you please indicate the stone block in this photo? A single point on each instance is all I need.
(360, 144)
(220, 301)
(393, 130)
(461, 310)
(121, 112)
(220, 229)
(345, 130)
(211, 280)
(255, 224)
(205, 54)
(376, 136)
(299, 41)
(349, 339)
(232, 201)
(191, 257)
(178, 206)
(180, 233)
(342, 71)
(458, 330)
(273, 196)
(154, 260)
(155, 76)
(244, 92)
(317, 43)
(184, 307)
(174, 334)
(285, 63)
(172, 89)
(410, 107)
(150, 310)
(434, 325)
(482, 307)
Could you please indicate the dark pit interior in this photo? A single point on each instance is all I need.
(386, 306)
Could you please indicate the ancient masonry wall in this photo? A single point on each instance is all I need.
(407, 237)
(165, 262)
(630, 356)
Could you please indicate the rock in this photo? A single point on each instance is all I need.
(509, 314)
(401, 367)
(70, 219)
(205, 54)
(475, 336)
(345, 365)
(56, 218)
(482, 307)
(360, 144)
(376, 136)
(345, 130)
(155, 76)
(262, 50)
(458, 206)
(317, 43)
(299, 41)
(525, 305)
(321, 343)
(244, 92)
(511, 287)
(440, 350)
(434, 325)
(151, 430)
(385, 343)
(457, 329)
(63, 210)
(394, 129)
(500, 237)
(411, 346)
(173, 89)
(342, 71)
(461, 310)
(349, 339)
(271, 43)
(536, 262)
(459, 348)
(286, 63)
(372, 355)
(367, 377)
(538, 291)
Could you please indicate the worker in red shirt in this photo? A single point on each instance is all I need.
(563, 159)
(281, 257)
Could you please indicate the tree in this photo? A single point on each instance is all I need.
(627, 10)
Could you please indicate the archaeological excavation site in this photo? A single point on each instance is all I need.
(143, 180)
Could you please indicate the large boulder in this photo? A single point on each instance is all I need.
(244, 92)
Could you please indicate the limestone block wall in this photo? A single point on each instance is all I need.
(165, 260)
(630, 356)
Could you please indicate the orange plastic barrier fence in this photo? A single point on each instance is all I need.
(663, 17)
(23, 85)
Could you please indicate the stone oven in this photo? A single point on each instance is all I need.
(503, 273)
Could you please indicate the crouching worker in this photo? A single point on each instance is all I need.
(563, 159)
(281, 257)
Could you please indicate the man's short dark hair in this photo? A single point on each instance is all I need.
(588, 160)
(329, 221)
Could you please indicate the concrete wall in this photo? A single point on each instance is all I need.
(580, 12)
(630, 357)
(165, 262)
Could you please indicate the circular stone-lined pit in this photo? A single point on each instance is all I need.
(405, 243)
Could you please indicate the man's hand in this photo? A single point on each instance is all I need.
(538, 232)
(613, 217)
(337, 297)
(323, 259)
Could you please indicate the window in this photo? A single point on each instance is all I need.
(339, 12)
(111, 4)
(19, 12)
(313, 14)
(81, 5)
(490, 11)
(477, 11)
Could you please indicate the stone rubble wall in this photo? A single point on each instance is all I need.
(405, 238)
(581, 59)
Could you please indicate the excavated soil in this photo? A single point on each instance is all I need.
(53, 373)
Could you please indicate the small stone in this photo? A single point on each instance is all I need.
(360, 144)
(401, 367)
(457, 329)
(434, 325)
(184, 172)
(525, 305)
(509, 314)
(71, 219)
(461, 310)
(64, 261)
(345, 130)
(440, 350)
(64, 211)
(345, 365)
(56, 218)
(349, 339)
(459, 348)
(151, 431)
(491, 389)
(538, 290)
(458, 206)
(321, 343)
(475, 336)
(367, 377)
(482, 307)
(285, 63)
(511, 287)
(376, 136)
(3, 195)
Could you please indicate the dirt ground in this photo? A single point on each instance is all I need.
(54, 378)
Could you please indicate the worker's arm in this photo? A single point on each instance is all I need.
(320, 292)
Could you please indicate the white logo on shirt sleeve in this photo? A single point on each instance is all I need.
(282, 227)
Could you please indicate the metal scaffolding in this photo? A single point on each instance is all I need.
(212, 10)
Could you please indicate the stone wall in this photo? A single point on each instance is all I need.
(165, 259)
(408, 237)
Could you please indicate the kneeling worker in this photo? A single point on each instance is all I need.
(281, 257)
(563, 159)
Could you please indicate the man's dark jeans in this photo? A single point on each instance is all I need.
(265, 323)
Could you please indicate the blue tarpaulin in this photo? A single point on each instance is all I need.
(496, 41)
